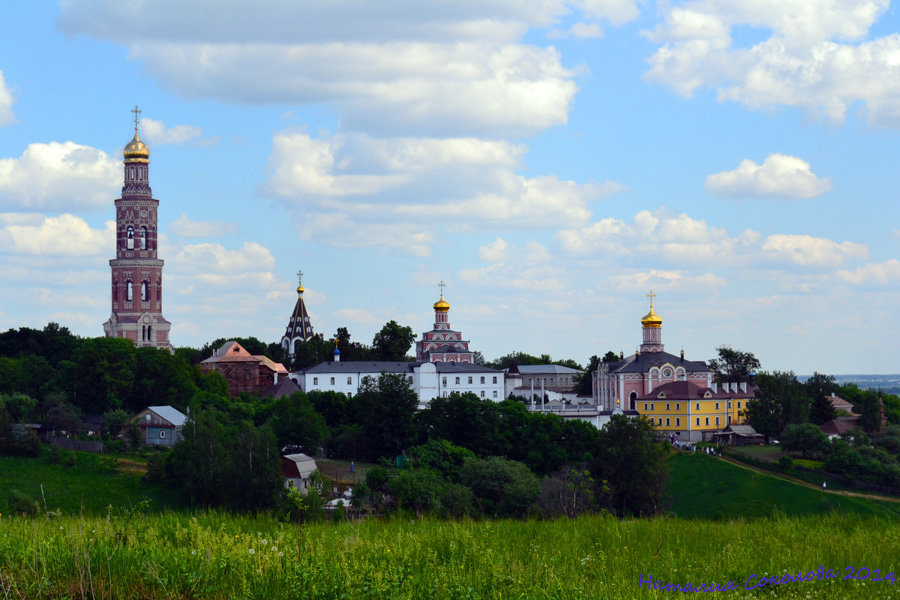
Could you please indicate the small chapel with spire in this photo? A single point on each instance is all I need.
(136, 269)
(443, 344)
(299, 327)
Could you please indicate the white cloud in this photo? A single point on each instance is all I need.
(6, 103)
(65, 235)
(218, 260)
(186, 227)
(337, 230)
(496, 251)
(398, 184)
(815, 56)
(780, 176)
(807, 250)
(356, 315)
(59, 176)
(416, 67)
(663, 280)
(158, 134)
(681, 239)
(874, 273)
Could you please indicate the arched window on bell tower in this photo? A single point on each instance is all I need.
(145, 291)
(129, 234)
(129, 291)
(115, 290)
(143, 238)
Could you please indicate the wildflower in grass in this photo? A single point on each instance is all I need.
(265, 541)
(252, 551)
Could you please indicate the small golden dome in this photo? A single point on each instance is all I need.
(136, 149)
(442, 305)
(300, 289)
(651, 319)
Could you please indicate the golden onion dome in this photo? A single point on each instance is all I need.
(299, 289)
(651, 319)
(442, 305)
(136, 149)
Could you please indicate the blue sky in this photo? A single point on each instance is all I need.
(551, 161)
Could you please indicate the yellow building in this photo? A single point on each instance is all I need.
(691, 411)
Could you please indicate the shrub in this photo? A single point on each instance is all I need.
(785, 462)
(21, 503)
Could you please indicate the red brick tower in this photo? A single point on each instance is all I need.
(136, 271)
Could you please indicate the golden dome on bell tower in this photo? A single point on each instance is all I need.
(651, 319)
(442, 305)
(136, 150)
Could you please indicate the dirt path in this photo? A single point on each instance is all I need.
(789, 479)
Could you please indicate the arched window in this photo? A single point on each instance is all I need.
(128, 291)
(130, 236)
(143, 238)
(145, 291)
(115, 290)
(631, 399)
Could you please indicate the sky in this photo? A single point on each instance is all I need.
(552, 161)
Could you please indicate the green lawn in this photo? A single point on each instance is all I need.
(217, 556)
(706, 487)
(85, 483)
(767, 453)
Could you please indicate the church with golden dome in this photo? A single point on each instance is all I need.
(136, 269)
(620, 384)
(679, 396)
(299, 328)
(443, 344)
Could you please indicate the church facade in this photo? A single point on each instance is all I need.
(679, 396)
(442, 344)
(137, 270)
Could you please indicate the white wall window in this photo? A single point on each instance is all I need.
(482, 393)
(162, 434)
(315, 381)
(495, 379)
(349, 380)
(482, 380)
(457, 381)
(444, 381)
(495, 393)
(470, 379)
(332, 381)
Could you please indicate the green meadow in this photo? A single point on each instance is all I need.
(118, 537)
(219, 556)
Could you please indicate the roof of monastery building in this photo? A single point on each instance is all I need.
(688, 390)
(383, 366)
(554, 369)
(643, 362)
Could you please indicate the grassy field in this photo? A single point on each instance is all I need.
(218, 556)
(82, 483)
(709, 488)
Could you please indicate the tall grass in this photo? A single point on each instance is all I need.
(215, 555)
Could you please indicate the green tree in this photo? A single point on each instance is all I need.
(805, 438)
(631, 460)
(504, 488)
(114, 420)
(733, 365)
(568, 492)
(384, 410)
(296, 423)
(441, 457)
(819, 388)
(780, 401)
(103, 374)
(20, 407)
(393, 341)
(419, 490)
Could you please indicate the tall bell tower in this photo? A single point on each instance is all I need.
(136, 270)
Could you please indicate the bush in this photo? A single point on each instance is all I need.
(785, 462)
(156, 468)
(21, 503)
